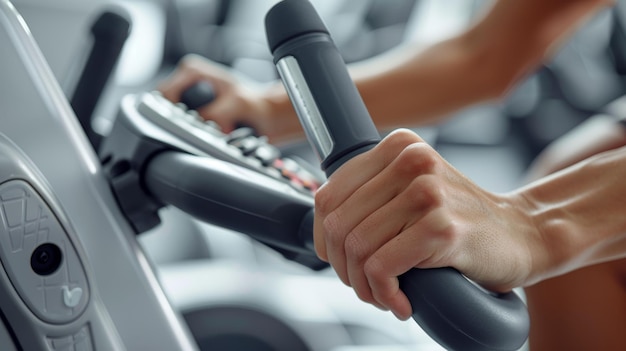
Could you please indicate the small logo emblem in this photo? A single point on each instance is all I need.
(71, 297)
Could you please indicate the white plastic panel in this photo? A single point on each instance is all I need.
(37, 120)
(26, 223)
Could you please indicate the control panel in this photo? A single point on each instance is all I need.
(241, 146)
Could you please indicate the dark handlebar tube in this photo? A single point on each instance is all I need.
(110, 32)
(451, 309)
(236, 198)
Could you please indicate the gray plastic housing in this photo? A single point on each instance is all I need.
(126, 307)
(29, 232)
(57, 308)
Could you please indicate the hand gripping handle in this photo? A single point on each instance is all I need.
(452, 310)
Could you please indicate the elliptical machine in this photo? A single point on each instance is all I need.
(94, 206)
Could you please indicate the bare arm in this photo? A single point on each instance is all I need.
(581, 210)
(412, 85)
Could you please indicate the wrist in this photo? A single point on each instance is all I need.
(578, 213)
(549, 234)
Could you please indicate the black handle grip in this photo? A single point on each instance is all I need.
(318, 83)
(109, 31)
(198, 95)
(451, 309)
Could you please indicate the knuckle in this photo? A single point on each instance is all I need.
(334, 233)
(377, 274)
(416, 159)
(374, 269)
(400, 139)
(355, 247)
(444, 229)
(449, 233)
(323, 201)
(425, 192)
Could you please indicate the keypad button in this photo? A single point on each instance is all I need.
(266, 154)
(239, 133)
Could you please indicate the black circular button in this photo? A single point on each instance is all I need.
(46, 259)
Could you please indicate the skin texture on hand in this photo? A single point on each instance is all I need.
(400, 206)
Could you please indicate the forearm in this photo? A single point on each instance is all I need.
(412, 85)
(409, 86)
(416, 86)
(581, 214)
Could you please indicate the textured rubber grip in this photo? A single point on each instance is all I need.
(452, 310)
